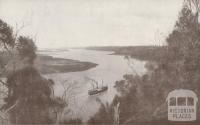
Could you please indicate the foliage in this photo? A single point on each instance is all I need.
(30, 98)
(6, 35)
(6, 42)
(104, 116)
(26, 48)
(142, 99)
(177, 69)
(30, 94)
(106, 113)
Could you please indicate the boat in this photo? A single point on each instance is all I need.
(97, 89)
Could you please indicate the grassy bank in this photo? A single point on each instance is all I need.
(49, 64)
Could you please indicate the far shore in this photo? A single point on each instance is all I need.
(144, 53)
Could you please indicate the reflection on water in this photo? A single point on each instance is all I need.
(110, 69)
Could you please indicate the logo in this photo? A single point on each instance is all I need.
(182, 105)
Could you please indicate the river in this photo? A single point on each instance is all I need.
(110, 69)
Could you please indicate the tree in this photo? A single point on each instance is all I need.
(6, 44)
(6, 36)
(29, 98)
(26, 48)
(194, 5)
(143, 98)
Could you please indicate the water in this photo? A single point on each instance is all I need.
(110, 69)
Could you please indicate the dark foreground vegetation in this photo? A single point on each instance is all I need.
(28, 98)
(142, 99)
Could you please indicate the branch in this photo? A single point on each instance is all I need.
(68, 90)
(130, 64)
(1, 81)
(2, 117)
(19, 29)
(6, 47)
(2, 92)
(11, 107)
(35, 37)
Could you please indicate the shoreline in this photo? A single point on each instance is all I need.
(49, 65)
(143, 53)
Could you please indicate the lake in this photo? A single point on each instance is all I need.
(110, 68)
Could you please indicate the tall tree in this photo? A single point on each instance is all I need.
(26, 48)
(29, 99)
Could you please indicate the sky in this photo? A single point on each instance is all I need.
(78, 23)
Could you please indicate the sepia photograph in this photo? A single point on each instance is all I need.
(99, 62)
